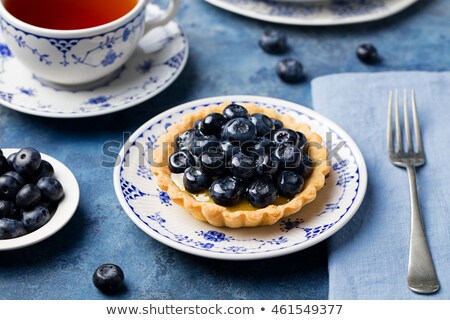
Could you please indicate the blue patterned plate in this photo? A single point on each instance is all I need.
(314, 13)
(140, 79)
(151, 209)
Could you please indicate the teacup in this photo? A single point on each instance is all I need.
(74, 57)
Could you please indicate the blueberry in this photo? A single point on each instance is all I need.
(286, 136)
(243, 166)
(212, 124)
(9, 187)
(3, 165)
(227, 191)
(234, 111)
(239, 130)
(266, 165)
(51, 188)
(290, 157)
(10, 160)
(108, 278)
(228, 149)
(197, 124)
(261, 192)
(1, 152)
(10, 229)
(28, 196)
(289, 184)
(195, 180)
(302, 141)
(265, 146)
(306, 167)
(35, 218)
(16, 176)
(180, 161)
(277, 123)
(204, 143)
(367, 53)
(186, 139)
(50, 205)
(262, 123)
(27, 161)
(45, 170)
(290, 70)
(8, 209)
(273, 41)
(213, 163)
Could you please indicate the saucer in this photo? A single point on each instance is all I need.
(152, 210)
(322, 13)
(141, 78)
(66, 208)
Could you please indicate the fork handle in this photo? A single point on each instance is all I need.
(422, 276)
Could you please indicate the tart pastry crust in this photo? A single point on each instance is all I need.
(220, 216)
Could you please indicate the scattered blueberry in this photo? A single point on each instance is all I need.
(227, 191)
(10, 229)
(9, 187)
(108, 278)
(195, 180)
(264, 146)
(185, 140)
(261, 192)
(239, 130)
(290, 70)
(212, 124)
(228, 149)
(289, 184)
(35, 218)
(367, 53)
(263, 124)
(234, 111)
(51, 188)
(213, 163)
(243, 166)
(307, 166)
(180, 161)
(3, 165)
(273, 41)
(28, 196)
(8, 209)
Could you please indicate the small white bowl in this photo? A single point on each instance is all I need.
(63, 214)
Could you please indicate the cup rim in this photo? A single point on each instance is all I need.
(17, 23)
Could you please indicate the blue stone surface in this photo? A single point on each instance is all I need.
(225, 59)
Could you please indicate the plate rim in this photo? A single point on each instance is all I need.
(363, 179)
(65, 213)
(322, 22)
(125, 106)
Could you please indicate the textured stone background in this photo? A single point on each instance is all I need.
(225, 59)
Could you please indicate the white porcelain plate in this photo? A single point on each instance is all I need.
(141, 78)
(63, 214)
(151, 209)
(314, 13)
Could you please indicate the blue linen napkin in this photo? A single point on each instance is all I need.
(368, 258)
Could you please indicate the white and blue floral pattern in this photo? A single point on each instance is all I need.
(141, 78)
(153, 211)
(330, 12)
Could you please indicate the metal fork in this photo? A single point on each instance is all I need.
(422, 276)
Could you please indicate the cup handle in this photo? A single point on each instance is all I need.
(170, 13)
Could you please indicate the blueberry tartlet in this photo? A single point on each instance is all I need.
(240, 165)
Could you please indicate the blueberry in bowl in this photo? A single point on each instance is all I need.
(38, 196)
(256, 170)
